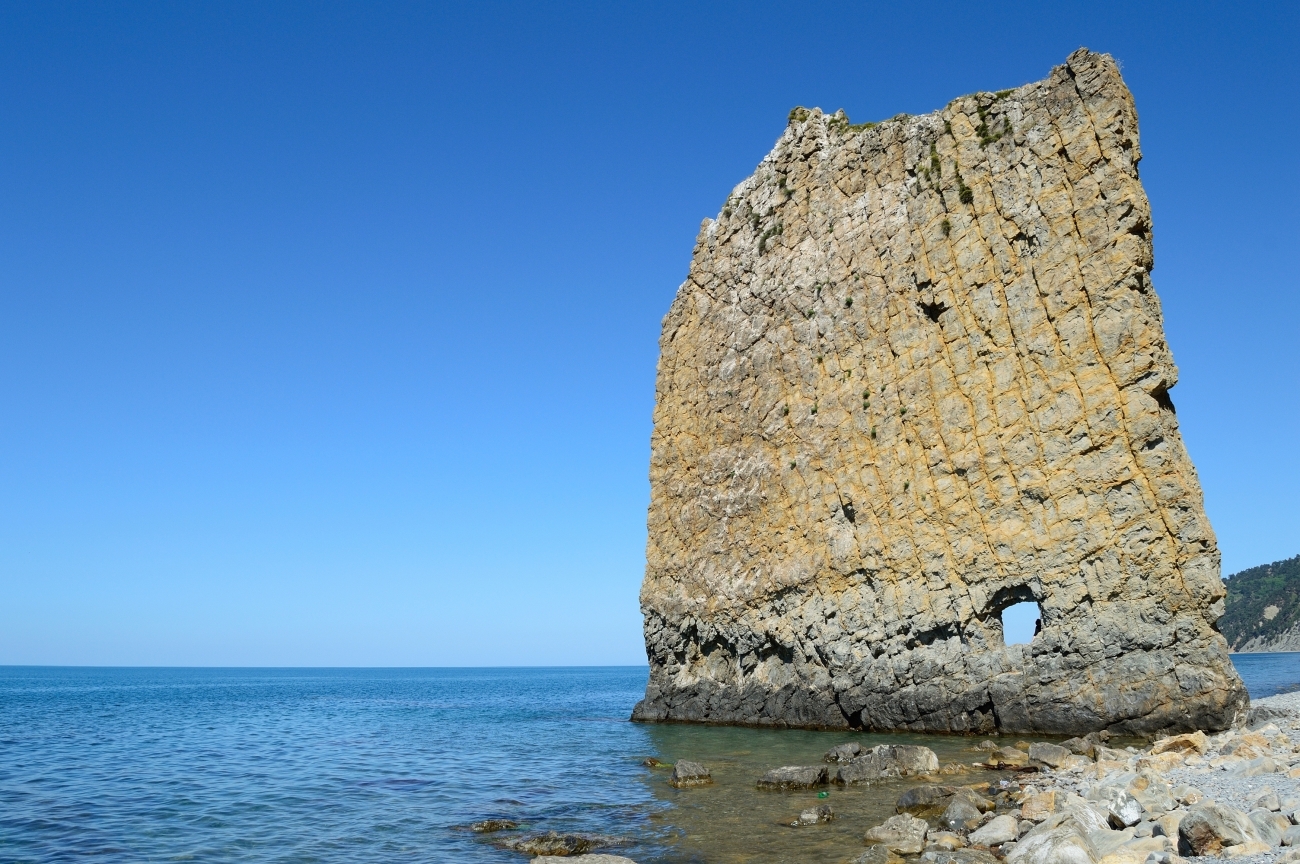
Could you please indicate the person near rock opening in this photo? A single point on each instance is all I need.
(1038, 626)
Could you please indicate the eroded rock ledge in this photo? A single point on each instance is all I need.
(917, 373)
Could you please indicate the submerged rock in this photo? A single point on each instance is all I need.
(557, 844)
(490, 826)
(794, 777)
(582, 859)
(686, 774)
(814, 816)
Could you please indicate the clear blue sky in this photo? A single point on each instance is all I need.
(328, 331)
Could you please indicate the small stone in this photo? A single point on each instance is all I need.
(1250, 847)
(1001, 829)
(1125, 811)
(960, 814)
(904, 834)
(843, 752)
(1254, 767)
(988, 745)
(959, 856)
(1194, 742)
(1051, 755)
(1291, 836)
(1008, 757)
(1024, 827)
(878, 854)
(1289, 804)
(814, 816)
(927, 799)
(686, 774)
(794, 777)
(1039, 806)
(1294, 773)
(944, 841)
(1271, 826)
(1265, 799)
(1167, 824)
(1079, 746)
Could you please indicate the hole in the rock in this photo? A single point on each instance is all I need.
(1021, 622)
(933, 310)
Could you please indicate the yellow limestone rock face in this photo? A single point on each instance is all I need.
(917, 373)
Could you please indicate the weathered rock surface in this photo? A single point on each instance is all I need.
(818, 815)
(917, 373)
(887, 760)
(794, 777)
(903, 834)
(1209, 828)
(686, 774)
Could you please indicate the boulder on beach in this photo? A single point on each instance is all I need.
(1001, 829)
(1208, 829)
(904, 834)
(959, 856)
(686, 774)
(925, 800)
(878, 854)
(1051, 755)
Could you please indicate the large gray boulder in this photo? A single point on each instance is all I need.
(1208, 828)
(794, 777)
(903, 834)
(887, 760)
(1001, 829)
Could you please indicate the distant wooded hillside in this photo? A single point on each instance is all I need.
(1263, 608)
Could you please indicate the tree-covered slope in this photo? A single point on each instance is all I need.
(1263, 607)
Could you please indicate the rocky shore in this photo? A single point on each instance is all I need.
(1181, 799)
(1234, 795)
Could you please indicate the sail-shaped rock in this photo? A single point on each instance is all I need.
(917, 373)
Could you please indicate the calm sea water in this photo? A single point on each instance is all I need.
(374, 765)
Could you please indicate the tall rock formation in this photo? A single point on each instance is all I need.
(918, 373)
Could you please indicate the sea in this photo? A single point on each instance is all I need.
(376, 765)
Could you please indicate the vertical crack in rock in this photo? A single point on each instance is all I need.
(918, 373)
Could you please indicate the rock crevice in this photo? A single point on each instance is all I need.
(917, 373)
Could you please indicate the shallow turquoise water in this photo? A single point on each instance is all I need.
(256, 765)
